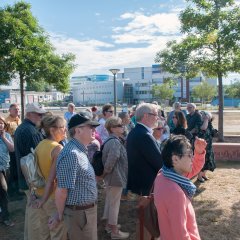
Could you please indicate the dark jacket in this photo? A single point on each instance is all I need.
(144, 160)
(179, 130)
(27, 136)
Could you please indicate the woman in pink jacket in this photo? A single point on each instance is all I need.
(173, 191)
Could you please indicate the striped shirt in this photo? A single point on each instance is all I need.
(75, 173)
(26, 137)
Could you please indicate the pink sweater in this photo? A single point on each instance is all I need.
(176, 215)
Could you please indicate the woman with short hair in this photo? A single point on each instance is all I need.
(173, 191)
(115, 175)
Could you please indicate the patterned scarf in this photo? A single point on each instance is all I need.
(187, 186)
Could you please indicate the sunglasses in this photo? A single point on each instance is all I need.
(109, 111)
(119, 125)
(90, 126)
(158, 128)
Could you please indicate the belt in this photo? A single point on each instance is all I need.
(75, 207)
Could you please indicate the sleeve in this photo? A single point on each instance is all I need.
(9, 138)
(177, 211)
(198, 162)
(150, 151)
(113, 148)
(67, 173)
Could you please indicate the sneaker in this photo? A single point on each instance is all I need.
(119, 235)
(109, 230)
(8, 223)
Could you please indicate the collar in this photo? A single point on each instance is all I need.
(29, 121)
(148, 128)
(13, 119)
(79, 145)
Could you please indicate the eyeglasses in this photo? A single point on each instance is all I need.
(158, 128)
(38, 114)
(119, 125)
(109, 111)
(153, 114)
(190, 154)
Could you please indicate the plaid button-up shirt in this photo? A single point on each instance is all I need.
(75, 173)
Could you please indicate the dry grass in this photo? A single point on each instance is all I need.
(217, 206)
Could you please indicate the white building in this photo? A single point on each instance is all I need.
(133, 86)
(94, 92)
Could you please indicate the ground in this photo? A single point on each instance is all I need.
(217, 206)
(217, 202)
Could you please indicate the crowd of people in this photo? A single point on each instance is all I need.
(142, 148)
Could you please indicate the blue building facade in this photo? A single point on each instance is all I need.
(228, 102)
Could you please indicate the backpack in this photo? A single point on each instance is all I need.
(31, 171)
(97, 162)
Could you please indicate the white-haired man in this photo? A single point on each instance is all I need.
(144, 156)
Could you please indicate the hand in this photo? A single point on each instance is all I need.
(32, 198)
(54, 221)
(2, 134)
(38, 203)
(200, 145)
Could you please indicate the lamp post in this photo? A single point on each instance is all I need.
(114, 72)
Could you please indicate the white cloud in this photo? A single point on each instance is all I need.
(96, 57)
(142, 28)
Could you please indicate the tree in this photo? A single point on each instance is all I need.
(205, 91)
(163, 91)
(233, 90)
(213, 26)
(176, 59)
(26, 52)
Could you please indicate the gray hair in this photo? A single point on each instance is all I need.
(176, 105)
(71, 132)
(122, 115)
(71, 105)
(143, 109)
(192, 105)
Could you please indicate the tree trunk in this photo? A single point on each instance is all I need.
(22, 95)
(220, 108)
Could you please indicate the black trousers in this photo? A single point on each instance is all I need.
(3, 197)
(13, 177)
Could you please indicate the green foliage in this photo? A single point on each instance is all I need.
(177, 58)
(170, 81)
(214, 29)
(233, 90)
(205, 91)
(26, 52)
(163, 91)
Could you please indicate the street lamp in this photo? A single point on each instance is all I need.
(114, 72)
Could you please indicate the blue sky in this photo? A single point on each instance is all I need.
(106, 34)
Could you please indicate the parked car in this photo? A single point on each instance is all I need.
(184, 104)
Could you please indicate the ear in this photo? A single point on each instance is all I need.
(175, 160)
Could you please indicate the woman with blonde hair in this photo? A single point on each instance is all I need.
(47, 152)
(6, 146)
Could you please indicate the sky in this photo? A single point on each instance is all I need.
(105, 34)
